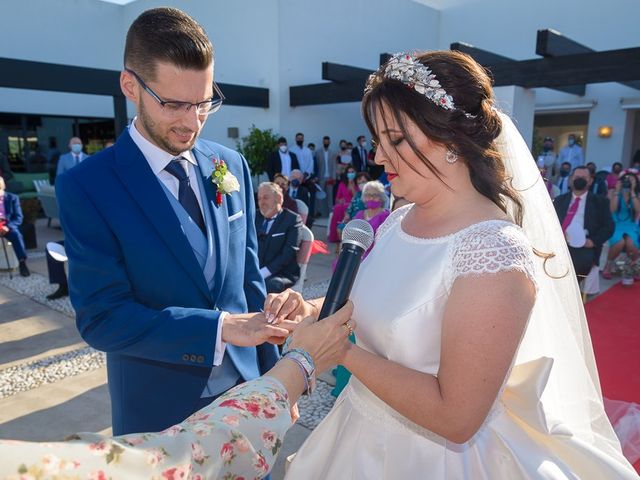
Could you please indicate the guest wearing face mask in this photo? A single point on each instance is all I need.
(360, 154)
(586, 221)
(343, 159)
(282, 160)
(71, 158)
(547, 158)
(283, 182)
(625, 208)
(356, 203)
(347, 189)
(572, 153)
(563, 177)
(297, 190)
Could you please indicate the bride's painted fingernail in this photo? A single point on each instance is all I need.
(270, 317)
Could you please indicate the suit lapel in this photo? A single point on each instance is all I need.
(136, 174)
(204, 156)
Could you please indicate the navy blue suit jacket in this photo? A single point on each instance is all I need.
(12, 210)
(138, 290)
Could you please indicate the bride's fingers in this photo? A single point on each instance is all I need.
(290, 305)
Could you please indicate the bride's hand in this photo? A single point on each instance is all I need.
(327, 341)
(287, 305)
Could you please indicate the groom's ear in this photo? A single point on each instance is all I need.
(129, 86)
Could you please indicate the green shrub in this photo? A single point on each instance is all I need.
(256, 148)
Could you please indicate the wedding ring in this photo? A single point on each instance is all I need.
(348, 327)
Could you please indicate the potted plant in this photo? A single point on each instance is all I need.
(256, 147)
(30, 211)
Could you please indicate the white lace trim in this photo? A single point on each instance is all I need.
(490, 247)
(393, 218)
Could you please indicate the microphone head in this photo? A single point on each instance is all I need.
(358, 232)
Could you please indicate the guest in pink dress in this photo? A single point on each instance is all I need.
(613, 177)
(375, 198)
(346, 190)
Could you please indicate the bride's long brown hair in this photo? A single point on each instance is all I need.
(473, 139)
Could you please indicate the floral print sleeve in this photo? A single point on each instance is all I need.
(236, 437)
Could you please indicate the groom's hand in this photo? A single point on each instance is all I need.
(251, 329)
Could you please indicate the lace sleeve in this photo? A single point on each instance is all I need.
(491, 247)
(393, 219)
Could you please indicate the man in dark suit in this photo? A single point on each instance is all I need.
(278, 237)
(586, 221)
(297, 189)
(282, 160)
(163, 263)
(10, 220)
(359, 154)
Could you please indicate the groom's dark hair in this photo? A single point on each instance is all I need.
(166, 35)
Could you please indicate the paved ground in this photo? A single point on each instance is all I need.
(52, 385)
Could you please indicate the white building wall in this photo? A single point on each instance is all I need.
(279, 43)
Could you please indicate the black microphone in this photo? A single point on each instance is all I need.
(357, 237)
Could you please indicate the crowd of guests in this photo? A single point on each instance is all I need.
(595, 207)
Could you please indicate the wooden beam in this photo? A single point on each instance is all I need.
(344, 73)
(489, 59)
(550, 43)
(53, 77)
(597, 67)
(325, 93)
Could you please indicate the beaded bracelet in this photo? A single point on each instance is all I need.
(302, 358)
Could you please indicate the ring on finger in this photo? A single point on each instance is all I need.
(348, 327)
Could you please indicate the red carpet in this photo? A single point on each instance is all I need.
(614, 323)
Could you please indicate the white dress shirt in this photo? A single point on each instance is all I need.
(325, 154)
(158, 159)
(305, 158)
(285, 162)
(575, 233)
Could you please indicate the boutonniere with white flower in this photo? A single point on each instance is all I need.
(223, 179)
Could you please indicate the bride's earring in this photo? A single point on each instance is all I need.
(451, 157)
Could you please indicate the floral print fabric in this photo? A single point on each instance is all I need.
(237, 437)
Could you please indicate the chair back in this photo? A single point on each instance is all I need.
(49, 205)
(303, 210)
(41, 185)
(304, 253)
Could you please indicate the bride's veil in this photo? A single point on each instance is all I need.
(557, 328)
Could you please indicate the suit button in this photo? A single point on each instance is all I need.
(192, 358)
(185, 357)
(200, 359)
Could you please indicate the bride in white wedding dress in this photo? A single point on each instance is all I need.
(473, 359)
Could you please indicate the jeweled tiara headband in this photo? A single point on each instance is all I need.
(406, 68)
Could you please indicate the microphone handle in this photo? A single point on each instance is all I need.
(342, 279)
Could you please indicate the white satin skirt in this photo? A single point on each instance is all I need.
(363, 438)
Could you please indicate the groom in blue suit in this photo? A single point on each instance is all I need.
(162, 263)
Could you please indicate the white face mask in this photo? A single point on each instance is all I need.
(283, 148)
(363, 144)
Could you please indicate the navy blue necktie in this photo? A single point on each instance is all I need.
(186, 195)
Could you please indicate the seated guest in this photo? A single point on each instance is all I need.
(283, 182)
(239, 435)
(10, 220)
(347, 189)
(375, 199)
(586, 221)
(278, 238)
(625, 207)
(614, 176)
(598, 185)
(553, 189)
(282, 160)
(297, 190)
(563, 177)
(356, 203)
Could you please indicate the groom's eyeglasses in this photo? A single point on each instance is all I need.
(176, 109)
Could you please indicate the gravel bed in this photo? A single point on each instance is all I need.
(314, 408)
(21, 378)
(28, 376)
(37, 287)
